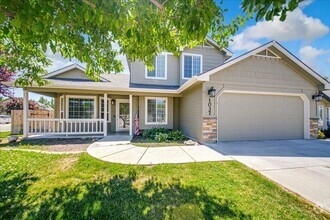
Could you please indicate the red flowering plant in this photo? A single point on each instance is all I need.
(5, 76)
(17, 104)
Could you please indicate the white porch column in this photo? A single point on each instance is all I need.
(25, 112)
(131, 115)
(105, 114)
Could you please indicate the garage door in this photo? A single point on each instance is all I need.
(259, 117)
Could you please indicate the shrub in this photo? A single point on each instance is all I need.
(326, 132)
(320, 135)
(161, 137)
(176, 135)
(151, 133)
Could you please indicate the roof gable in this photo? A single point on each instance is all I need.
(64, 70)
(266, 47)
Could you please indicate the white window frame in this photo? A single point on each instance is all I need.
(182, 64)
(328, 115)
(62, 107)
(320, 116)
(81, 97)
(156, 77)
(109, 108)
(146, 110)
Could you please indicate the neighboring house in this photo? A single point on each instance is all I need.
(44, 106)
(266, 93)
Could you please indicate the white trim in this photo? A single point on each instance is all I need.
(63, 70)
(258, 50)
(302, 96)
(320, 116)
(146, 110)
(105, 114)
(182, 64)
(62, 110)
(79, 97)
(117, 114)
(228, 52)
(131, 115)
(155, 64)
(109, 107)
(25, 112)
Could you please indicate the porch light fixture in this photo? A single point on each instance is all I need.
(317, 97)
(113, 102)
(211, 92)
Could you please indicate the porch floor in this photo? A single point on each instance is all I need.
(117, 149)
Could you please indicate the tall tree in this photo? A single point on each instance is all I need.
(5, 76)
(17, 104)
(87, 30)
(46, 102)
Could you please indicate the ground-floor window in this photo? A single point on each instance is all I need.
(156, 110)
(81, 107)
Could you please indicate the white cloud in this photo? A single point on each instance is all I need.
(305, 3)
(309, 55)
(297, 26)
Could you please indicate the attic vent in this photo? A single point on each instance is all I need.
(267, 53)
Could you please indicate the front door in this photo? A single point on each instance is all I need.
(122, 115)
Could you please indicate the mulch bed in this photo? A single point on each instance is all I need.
(54, 144)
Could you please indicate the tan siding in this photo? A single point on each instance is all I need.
(191, 113)
(72, 74)
(262, 72)
(259, 74)
(211, 58)
(173, 70)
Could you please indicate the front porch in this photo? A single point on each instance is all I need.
(77, 115)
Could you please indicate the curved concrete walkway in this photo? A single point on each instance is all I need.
(117, 149)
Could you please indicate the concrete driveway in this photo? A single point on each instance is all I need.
(302, 166)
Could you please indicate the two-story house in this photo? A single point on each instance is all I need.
(266, 93)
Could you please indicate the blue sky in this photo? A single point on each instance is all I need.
(305, 32)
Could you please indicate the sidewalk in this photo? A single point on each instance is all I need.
(117, 149)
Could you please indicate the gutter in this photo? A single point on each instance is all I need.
(182, 88)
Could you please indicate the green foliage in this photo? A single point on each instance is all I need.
(320, 135)
(269, 9)
(151, 133)
(161, 137)
(176, 135)
(326, 132)
(88, 30)
(46, 102)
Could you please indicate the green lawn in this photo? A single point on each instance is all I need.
(43, 186)
(4, 134)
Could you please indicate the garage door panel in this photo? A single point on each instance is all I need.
(259, 117)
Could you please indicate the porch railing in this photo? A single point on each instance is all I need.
(65, 126)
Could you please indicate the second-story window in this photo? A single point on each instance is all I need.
(159, 71)
(192, 65)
